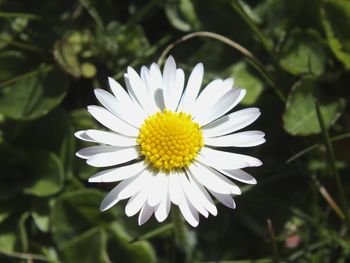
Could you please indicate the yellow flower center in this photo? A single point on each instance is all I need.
(170, 140)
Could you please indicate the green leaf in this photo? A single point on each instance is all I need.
(12, 62)
(40, 213)
(87, 247)
(13, 235)
(182, 15)
(34, 94)
(119, 246)
(300, 117)
(5, 210)
(46, 173)
(246, 80)
(77, 211)
(336, 23)
(303, 53)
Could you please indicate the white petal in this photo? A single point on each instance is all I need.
(175, 189)
(226, 200)
(112, 104)
(91, 151)
(189, 212)
(159, 184)
(212, 179)
(146, 78)
(231, 123)
(138, 90)
(239, 175)
(135, 185)
(145, 214)
(192, 196)
(157, 83)
(223, 105)
(226, 160)
(192, 89)
(206, 201)
(113, 158)
(209, 100)
(112, 122)
(118, 174)
(180, 81)
(82, 136)
(241, 139)
(169, 84)
(135, 203)
(210, 93)
(163, 209)
(111, 138)
(125, 100)
(113, 196)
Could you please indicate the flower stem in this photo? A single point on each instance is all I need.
(245, 52)
(331, 158)
(181, 236)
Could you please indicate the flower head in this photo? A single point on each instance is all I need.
(167, 143)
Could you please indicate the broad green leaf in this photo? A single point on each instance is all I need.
(12, 62)
(87, 247)
(46, 173)
(303, 52)
(37, 173)
(336, 22)
(40, 213)
(5, 210)
(13, 235)
(119, 246)
(300, 117)
(247, 80)
(34, 94)
(77, 211)
(182, 15)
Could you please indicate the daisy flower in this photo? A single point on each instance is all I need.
(167, 144)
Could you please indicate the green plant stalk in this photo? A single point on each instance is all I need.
(181, 233)
(331, 158)
(154, 233)
(271, 232)
(313, 147)
(235, 5)
(245, 52)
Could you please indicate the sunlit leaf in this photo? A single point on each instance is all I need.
(33, 95)
(87, 247)
(336, 22)
(46, 172)
(300, 117)
(245, 79)
(119, 246)
(76, 212)
(303, 53)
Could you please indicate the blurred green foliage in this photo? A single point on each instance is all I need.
(54, 53)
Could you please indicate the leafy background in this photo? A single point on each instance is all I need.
(54, 53)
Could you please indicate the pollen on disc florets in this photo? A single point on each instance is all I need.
(170, 140)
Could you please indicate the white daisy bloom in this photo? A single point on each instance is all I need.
(166, 143)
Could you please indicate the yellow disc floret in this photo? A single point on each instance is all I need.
(170, 140)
